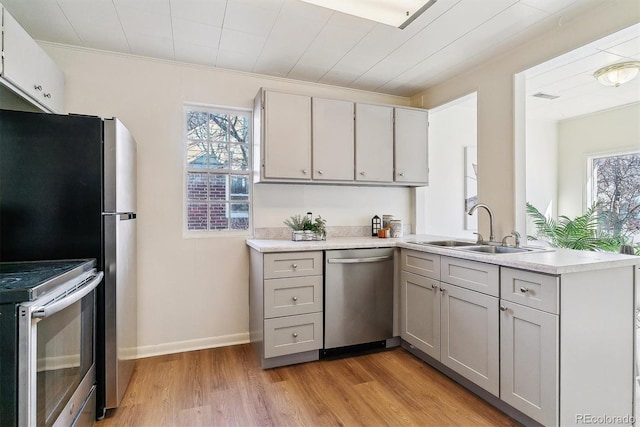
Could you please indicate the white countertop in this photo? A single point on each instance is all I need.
(550, 261)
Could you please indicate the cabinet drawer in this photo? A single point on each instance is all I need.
(473, 275)
(421, 263)
(294, 295)
(292, 334)
(534, 290)
(292, 264)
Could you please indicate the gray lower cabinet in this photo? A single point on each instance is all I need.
(556, 348)
(529, 343)
(469, 335)
(454, 325)
(286, 306)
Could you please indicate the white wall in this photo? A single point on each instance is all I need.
(605, 132)
(193, 292)
(542, 167)
(494, 83)
(440, 206)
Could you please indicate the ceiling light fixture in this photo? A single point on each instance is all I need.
(397, 13)
(617, 74)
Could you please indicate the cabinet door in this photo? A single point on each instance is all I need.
(529, 361)
(287, 136)
(374, 143)
(52, 78)
(470, 334)
(20, 53)
(411, 147)
(420, 312)
(332, 142)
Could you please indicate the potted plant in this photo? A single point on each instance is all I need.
(304, 227)
(580, 233)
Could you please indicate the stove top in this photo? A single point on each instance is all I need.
(25, 281)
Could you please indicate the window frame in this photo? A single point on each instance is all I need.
(591, 182)
(217, 109)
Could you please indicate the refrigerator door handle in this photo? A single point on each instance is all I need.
(122, 215)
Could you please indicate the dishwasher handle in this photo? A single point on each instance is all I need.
(359, 260)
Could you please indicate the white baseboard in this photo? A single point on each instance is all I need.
(191, 345)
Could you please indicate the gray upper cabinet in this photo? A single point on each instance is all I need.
(411, 146)
(287, 136)
(27, 70)
(332, 130)
(304, 139)
(374, 143)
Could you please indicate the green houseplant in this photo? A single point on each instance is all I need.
(579, 233)
(313, 229)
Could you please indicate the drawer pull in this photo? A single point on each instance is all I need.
(295, 335)
(503, 308)
(524, 290)
(295, 299)
(37, 87)
(47, 95)
(294, 266)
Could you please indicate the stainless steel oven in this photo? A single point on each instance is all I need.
(54, 373)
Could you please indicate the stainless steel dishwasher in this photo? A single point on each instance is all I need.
(358, 308)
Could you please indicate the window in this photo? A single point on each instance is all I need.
(615, 184)
(217, 169)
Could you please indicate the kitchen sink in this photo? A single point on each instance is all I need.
(447, 243)
(496, 249)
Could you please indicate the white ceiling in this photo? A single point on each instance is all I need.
(293, 39)
(570, 77)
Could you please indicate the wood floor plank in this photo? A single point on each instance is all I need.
(226, 387)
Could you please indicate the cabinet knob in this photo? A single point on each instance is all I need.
(304, 171)
(37, 87)
(47, 95)
(294, 266)
(503, 308)
(524, 290)
(295, 299)
(320, 172)
(362, 173)
(434, 286)
(295, 335)
(442, 290)
(401, 174)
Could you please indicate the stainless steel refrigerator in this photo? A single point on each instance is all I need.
(68, 190)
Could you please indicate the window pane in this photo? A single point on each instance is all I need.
(239, 157)
(219, 156)
(196, 216)
(239, 187)
(196, 186)
(239, 216)
(618, 192)
(219, 125)
(197, 155)
(196, 125)
(238, 128)
(218, 215)
(218, 186)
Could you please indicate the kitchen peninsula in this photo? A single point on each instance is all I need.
(526, 331)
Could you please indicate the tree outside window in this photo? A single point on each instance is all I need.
(616, 187)
(218, 163)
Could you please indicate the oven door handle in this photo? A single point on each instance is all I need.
(358, 260)
(72, 298)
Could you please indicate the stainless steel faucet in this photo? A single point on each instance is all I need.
(488, 209)
(516, 238)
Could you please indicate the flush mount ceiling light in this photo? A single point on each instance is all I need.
(397, 13)
(617, 74)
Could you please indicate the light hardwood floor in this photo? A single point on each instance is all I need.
(226, 387)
